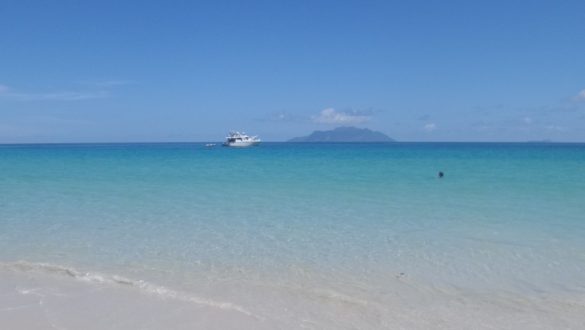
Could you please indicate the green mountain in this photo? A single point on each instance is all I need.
(345, 134)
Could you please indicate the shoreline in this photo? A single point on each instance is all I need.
(36, 295)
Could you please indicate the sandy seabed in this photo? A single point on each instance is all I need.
(67, 299)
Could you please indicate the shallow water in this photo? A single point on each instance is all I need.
(293, 236)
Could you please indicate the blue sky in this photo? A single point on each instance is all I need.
(105, 71)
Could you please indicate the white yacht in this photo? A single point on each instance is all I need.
(237, 139)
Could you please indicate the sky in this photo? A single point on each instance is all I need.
(164, 71)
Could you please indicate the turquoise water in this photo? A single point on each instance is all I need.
(356, 221)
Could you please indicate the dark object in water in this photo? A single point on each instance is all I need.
(441, 174)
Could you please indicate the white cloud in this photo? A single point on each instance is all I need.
(107, 83)
(8, 93)
(429, 127)
(283, 117)
(92, 90)
(580, 96)
(331, 116)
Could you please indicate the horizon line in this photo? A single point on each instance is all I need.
(289, 142)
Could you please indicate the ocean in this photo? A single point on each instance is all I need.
(292, 236)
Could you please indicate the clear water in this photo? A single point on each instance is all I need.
(302, 235)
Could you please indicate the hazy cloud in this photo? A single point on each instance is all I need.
(429, 127)
(284, 117)
(34, 128)
(424, 117)
(580, 96)
(107, 83)
(332, 116)
(56, 96)
(11, 94)
(555, 128)
(92, 90)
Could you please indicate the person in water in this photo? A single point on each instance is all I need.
(441, 174)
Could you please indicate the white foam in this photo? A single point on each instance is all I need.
(104, 279)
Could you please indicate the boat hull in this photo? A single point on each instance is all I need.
(241, 144)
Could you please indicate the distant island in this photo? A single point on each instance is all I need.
(345, 134)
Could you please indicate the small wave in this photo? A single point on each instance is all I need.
(340, 297)
(140, 285)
